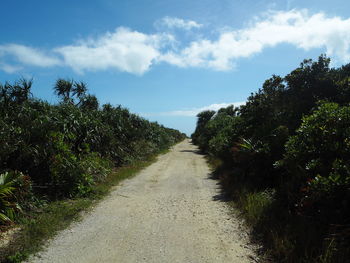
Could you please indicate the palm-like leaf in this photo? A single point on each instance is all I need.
(80, 89)
(4, 218)
(6, 189)
(26, 87)
(63, 88)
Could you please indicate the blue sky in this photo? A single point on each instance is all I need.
(167, 60)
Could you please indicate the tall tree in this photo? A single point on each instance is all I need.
(64, 88)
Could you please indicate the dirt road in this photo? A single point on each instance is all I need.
(167, 213)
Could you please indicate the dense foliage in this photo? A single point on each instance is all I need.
(291, 142)
(63, 149)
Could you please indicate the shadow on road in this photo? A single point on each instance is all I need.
(192, 151)
(222, 195)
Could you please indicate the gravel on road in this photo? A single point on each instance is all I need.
(167, 213)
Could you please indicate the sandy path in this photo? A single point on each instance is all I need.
(164, 214)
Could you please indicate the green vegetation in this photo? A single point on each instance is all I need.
(46, 218)
(54, 159)
(7, 208)
(285, 161)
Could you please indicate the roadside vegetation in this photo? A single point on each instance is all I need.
(284, 159)
(56, 159)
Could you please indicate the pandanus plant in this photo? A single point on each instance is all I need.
(70, 91)
(7, 208)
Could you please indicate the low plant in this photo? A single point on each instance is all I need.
(14, 187)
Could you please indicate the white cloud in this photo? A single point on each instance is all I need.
(9, 68)
(174, 22)
(294, 27)
(136, 52)
(194, 111)
(124, 50)
(28, 56)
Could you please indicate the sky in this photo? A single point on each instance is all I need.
(167, 60)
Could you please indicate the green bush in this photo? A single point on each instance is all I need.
(66, 148)
(67, 174)
(317, 160)
(284, 138)
(15, 188)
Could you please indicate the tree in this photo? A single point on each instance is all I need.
(79, 90)
(70, 91)
(203, 118)
(89, 102)
(17, 93)
(64, 88)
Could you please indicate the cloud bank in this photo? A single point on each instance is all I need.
(297, 28)
(28, 56)
(136, 52)
(194, 111)
(123, 50)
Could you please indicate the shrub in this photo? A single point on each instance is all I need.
(14, 189)
(317, 162)
(284, 138)
(73, 174)
(66, 148)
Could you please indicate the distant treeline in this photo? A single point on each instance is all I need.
(62, 150)
(286, 161)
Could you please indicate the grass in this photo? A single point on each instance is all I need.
(41, 224)
(38, 226)
(255, 204)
